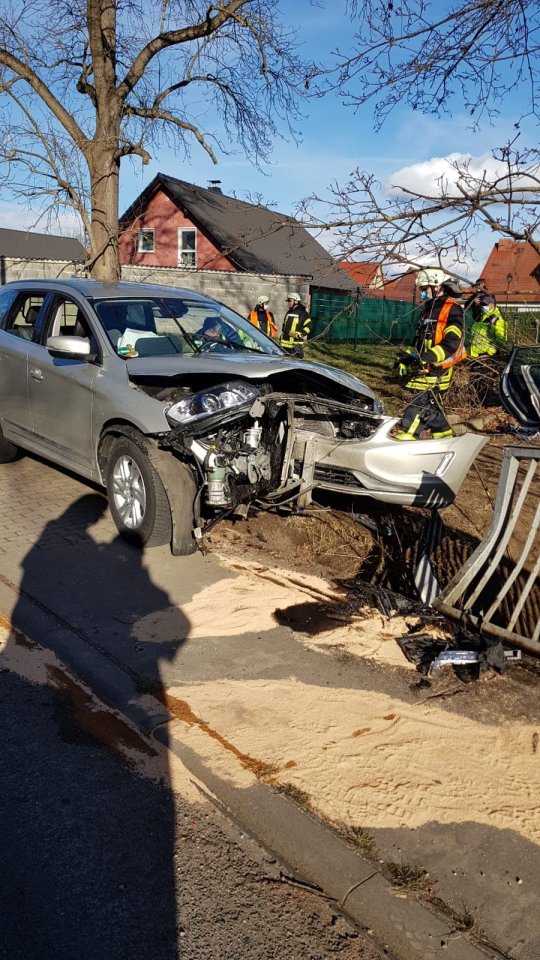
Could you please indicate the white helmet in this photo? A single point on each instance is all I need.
(261, 301)
(431, 277)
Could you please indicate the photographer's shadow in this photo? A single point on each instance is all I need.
(90, 846)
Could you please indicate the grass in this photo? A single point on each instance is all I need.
(407, 877)
(370, 362)
(294, 793)
(363, 840)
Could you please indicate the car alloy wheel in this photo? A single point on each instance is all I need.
(129, 493)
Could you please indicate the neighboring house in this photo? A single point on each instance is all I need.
(177, 224)
(23, 247)
(366, 275)
(512, 274)
(398, 288)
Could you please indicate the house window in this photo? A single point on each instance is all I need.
(146, 240)
(187, 248)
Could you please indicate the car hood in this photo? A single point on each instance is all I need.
(251, 367)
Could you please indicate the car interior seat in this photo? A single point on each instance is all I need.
(113, 319)
(25, 330)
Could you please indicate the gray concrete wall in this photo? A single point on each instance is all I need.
(237, 290)
(16, 269)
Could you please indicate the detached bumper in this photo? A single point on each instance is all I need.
(422, 473)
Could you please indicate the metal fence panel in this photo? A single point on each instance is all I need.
(497, 589)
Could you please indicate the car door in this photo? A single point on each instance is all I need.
(520, 385)
(60, 389)
(19, 323)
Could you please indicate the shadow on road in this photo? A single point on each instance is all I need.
(86, 854)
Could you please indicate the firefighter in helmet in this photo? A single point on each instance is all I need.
(262, 317)
(427, 367)
(296, 326)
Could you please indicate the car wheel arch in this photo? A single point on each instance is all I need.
(177, 477)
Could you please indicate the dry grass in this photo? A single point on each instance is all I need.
(361, 839)
(407, 877)
(294, 793)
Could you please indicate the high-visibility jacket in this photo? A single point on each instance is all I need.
(296, 327)
(439, 344)
(488, 334)
(263, 320)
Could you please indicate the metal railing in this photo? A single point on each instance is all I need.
(496, 591)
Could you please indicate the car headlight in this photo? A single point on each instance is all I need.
(208, 403)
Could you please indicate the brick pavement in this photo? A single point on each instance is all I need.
(34, 493)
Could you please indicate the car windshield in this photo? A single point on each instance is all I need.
(164, 326)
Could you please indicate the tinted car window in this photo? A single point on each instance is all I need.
(6, 299)
(22, 319)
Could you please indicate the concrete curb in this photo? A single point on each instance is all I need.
(316, 853)
(312, 850)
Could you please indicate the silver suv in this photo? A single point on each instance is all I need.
(185, 412)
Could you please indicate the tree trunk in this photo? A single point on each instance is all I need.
(104, 170)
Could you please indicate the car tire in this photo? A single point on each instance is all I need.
(138, 502)
(8, 450)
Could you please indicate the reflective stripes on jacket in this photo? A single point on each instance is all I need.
(296, 326)
(443, 349)
(488, 334)
(263, 320)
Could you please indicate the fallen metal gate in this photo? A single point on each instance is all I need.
(496, 590)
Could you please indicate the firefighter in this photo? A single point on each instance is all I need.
(296, 327)
(427, 367)
(263, 318)
(490, 331)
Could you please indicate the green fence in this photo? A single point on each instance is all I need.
(346, 317)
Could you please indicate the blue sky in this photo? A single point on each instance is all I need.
(335, 140)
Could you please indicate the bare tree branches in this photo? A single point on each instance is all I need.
(435, 57)
(115, 78)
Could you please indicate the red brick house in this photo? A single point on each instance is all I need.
(365, 274)
(512, 274)
(178, 224)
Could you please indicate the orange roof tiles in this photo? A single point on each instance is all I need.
(512, 272)
(362, 272)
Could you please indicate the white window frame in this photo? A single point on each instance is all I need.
(183, 253)
(146, 234)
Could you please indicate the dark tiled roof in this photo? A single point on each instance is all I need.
(253, 237)
(362, 272)
(512, 272)
(23, 244)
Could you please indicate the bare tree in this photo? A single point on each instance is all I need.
(471, 55)
(86, 83)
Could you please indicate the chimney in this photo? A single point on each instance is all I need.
(215, 186)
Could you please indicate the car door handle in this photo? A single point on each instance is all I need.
(36, 373)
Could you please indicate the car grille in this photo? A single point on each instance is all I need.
(329, 474)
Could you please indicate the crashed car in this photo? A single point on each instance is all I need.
(185, 412)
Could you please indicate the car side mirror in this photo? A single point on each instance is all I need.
(76, 347)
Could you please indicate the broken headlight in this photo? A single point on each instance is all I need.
(227, 397)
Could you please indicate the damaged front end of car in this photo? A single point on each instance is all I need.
(254, 444)
(237, 440)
